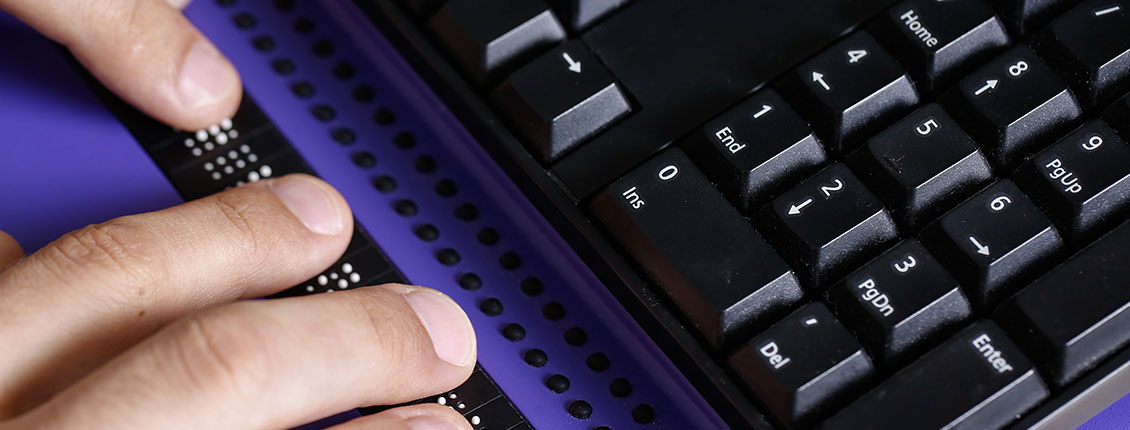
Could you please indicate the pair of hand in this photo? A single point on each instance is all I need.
(142, 322)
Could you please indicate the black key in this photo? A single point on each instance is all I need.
(993, 241)
(560, 100)
(1075, 316)
(672, 220)
(422, 8)
(1082, 182)
(827, 223)
(684, 62)
(900, 303)
(489, 37)
(921, 164)
(1118, 116)
(1013, 105)
(756, 148)
(939, 39)
(1024, 16)
(851, 90)
(1090, 46)
(978, 379)
(804, 366)
(578, 15)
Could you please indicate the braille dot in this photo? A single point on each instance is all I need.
(448, 257)
(406, 208)
(580, 409)
(324, 113)
(364, 93)
(510, 261)
(244, 21)
(263, 43)
(576, 336)
(514, 332)
(344, 70)
(225, 3)
(427, 233)
(602, 428)
(344, 136)
(532, 286)
(467, 212)
(620, 387)
(598, 362)
(284, 5)
(426, 164)
(553, 311)
(383, 116)
(643, 414)
(283, 66)
(557, 383)
(323, 48)
(488, 236)
(491, 307)
(303, 89)
(446, 188)
(470, 282)
(303, 25)
(364, 159)
(536, 357)
(385, 184)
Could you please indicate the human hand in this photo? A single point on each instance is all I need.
(145, 51)
(137, 323)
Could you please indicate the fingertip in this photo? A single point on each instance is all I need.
(449, 329)
(208, 87)
(319, 207)
(415, 417)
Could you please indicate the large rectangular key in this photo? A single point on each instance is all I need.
(1090, 46)
(1077, 315)
(978, 379)
(696, 247)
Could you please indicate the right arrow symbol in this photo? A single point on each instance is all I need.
(981, 249)
(989, 84)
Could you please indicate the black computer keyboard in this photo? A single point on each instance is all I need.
(867, 214)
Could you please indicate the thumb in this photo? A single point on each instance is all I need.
(145, 51)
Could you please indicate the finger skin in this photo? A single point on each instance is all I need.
(139, 49)
(10, 250)
(264, 364)
(431, 416)
(86, 297)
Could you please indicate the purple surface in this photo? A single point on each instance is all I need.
(501, 205)
(65, 161)
(1115, 417)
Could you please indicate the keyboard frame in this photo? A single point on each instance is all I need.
(1073, 405)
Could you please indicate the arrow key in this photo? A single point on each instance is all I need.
(994, 242)
(560, 100)
(826, 224)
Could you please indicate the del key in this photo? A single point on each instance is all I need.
(696, 246)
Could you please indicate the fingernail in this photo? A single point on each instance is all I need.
(452, 335)
(310, 202)
(431, 423)
(206, 77)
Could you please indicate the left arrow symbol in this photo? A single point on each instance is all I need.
(574, 66)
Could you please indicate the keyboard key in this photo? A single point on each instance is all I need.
(1082, 182)
(1013, 105)
(1090, 46)
(938, 40)
(578, 15)
(756, 148)
(993, 241)
(978, 379)
(686, 62)
(921, 165)
(804, 366)
(900, 303)
(1077, 315)
(560, 100)
(828, 223)
(675, 223)
(850, 90)
(1118, 116)
(1024, 16)
(487, 38)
